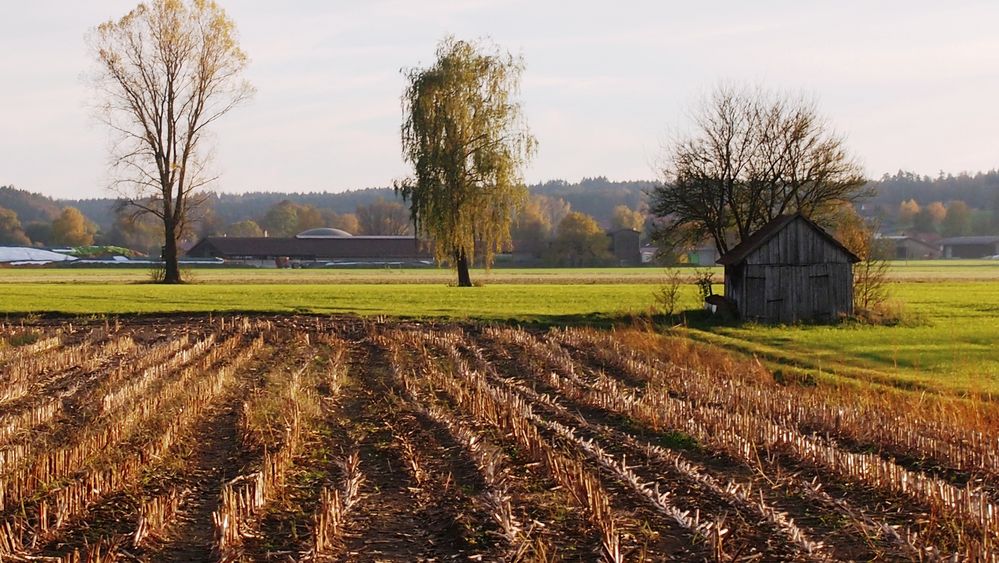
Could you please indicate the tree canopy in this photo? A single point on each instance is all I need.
(532, 227)
(464, 134)
(625, 217)
(11, 231)
(579, 241)
(957, 220)
(245, 228)
(165, 72)
(383, 217)
(287, 219)
(751, 157)
(71, 228)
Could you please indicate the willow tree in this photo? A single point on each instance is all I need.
(465, 136)
(166, 71)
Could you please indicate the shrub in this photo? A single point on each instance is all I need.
(668, 292)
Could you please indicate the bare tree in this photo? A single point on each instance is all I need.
(382, 217)
(871, 275)
(165, 72)
(752, 157)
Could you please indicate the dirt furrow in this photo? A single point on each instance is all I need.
(747, 535)
(833, 529)
(216, 457)
(389, 523)
(933, 530)
(911, 459)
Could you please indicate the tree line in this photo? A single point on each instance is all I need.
(168, 70)
(547, 229)
(53, 224)
(948, 205)
(980, 190)
(27, 218)
(68, 228)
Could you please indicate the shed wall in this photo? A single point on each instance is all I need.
(970, 250)
(798, 274)
(625, 245)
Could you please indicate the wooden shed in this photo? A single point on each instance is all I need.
(790, 270)
(625, 245)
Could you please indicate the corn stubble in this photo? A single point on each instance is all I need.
(91, 411)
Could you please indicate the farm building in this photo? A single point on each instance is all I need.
(648, 253)
(911, 248)
(790, 270)
(703, 254)
(625, 245)
(970, 247)
(315, 247)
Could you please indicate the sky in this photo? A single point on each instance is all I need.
(911, 85)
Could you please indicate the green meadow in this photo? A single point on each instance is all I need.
(948, 339)
(517, 302)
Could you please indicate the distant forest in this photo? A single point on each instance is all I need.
(594, 196)
(904, 202)
(978, 190)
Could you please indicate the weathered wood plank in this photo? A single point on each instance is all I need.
(796, 275)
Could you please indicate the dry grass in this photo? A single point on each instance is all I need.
(644, 446)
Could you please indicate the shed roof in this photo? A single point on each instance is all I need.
(958, 241)
(904, 238)
(311, 248)
(760, 237)
(323, 232)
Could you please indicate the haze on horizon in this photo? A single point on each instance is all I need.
(912, 85)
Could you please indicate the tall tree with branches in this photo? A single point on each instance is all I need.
(383, 218)
(166, 71)
(468, 142)
(751, 157)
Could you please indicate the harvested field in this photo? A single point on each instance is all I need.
(329, 439)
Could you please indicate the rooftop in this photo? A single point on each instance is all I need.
(957, 241)
(766, 232)
(323, 232)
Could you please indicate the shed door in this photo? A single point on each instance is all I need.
(822, 298)
(778, 281)
(821, 294)
(756, 296)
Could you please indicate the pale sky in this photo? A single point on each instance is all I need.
(912, 85)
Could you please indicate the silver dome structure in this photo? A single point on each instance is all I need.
(324, 232)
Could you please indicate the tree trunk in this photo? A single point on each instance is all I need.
(171, 269)
(464, 280)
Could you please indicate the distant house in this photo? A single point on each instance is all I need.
(705, 254)
(909, 248)
(648, 253)
(790, 270)
(969, 247)
(315, 247)
(625, 245)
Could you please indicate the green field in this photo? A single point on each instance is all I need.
(948, 341)
(526, 302)
(925, 270)
(374, 276)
